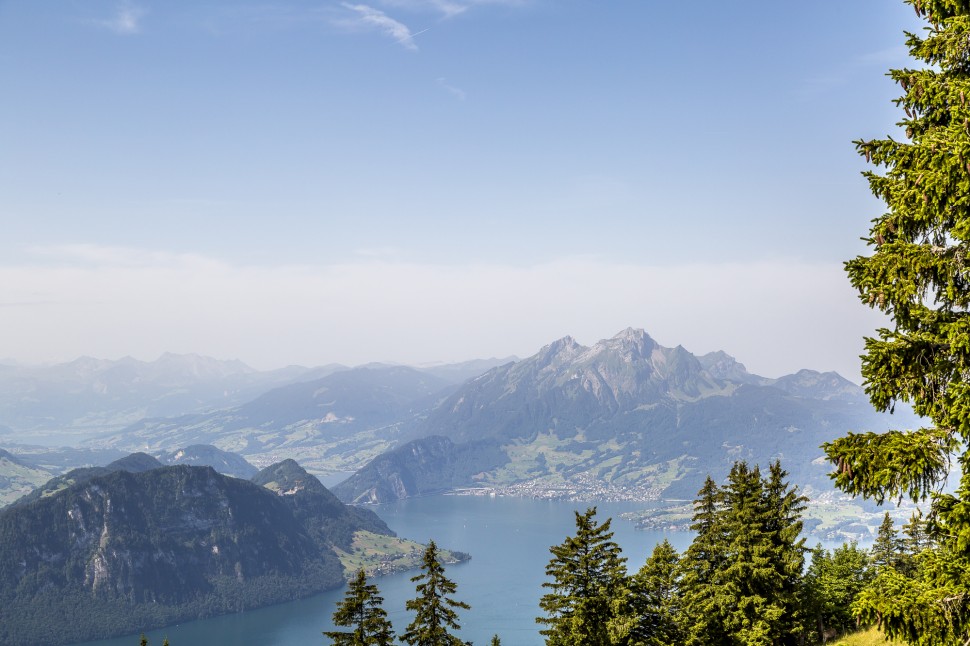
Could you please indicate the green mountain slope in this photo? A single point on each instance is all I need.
(625, 417)
(17, 478)
(335, 423)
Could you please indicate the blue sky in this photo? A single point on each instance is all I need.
(437, 180)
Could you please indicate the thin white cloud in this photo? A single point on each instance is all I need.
(126, 19)
(449, 8)
(456, 92)
(371, 18)
(775, 317)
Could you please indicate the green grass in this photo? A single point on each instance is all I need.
(378, 554)
(870, 637)
(17, 480)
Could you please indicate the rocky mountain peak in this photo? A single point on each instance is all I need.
(631, 343)
(559, 352)
(721, 365)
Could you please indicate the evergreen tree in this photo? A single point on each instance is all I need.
(917, 274)
(833, 582)
(361, 609)
(701, 568)
(887, 550)
(784, 527)
(753, 613)
(435, 611)
(588, 602)
(496, 641)
(916, 538)
(742, 574)
(656, 599)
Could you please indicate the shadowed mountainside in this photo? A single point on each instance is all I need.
(143, 545)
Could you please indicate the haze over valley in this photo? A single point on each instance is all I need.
(300, 300)
(624, 418)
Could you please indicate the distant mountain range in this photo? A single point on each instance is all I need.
(73, 401)
(624, 415)
(335, 423)
(139, 545)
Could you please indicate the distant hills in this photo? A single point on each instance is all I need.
(623, 418)
(624, 414)
(334, 423)
(89, 396)
(139, 545)
(92, 411)
(17, 477)
(198, 455)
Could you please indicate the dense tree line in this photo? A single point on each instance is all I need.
(740, 581)
(743, 581)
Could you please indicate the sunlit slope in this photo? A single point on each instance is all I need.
(625, 415)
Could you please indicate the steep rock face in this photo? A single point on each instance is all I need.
(123, 551)
(566, 386)
(158, 536)
(624, 412)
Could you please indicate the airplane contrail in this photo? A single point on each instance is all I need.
(411, 36)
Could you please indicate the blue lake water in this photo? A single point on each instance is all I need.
(508, 538)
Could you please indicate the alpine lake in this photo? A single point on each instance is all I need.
(508, 539)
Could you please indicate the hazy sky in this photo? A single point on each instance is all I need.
(438, 180)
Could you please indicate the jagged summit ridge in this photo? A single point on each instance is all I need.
(625, 411)
(631, 344)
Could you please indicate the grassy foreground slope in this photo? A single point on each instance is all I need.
(870, 637)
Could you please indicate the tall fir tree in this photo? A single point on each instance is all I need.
(833, 582)
(917, 274)
(656, 599)
(361, 610)
(701, 568)
(887, 549)
(784, 527)
(916, 538)
(436, 613)
(741, 577)
(588, 599)
(753, 613)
